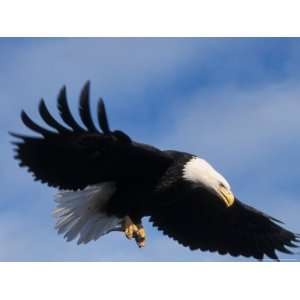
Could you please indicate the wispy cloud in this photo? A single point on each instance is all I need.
(238, 124)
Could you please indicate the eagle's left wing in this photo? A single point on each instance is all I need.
(193, 217)
(72, 157)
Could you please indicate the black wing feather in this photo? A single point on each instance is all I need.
(33, 126)
(65, 113)
(102, 117)
(84, 108)
(47, 117)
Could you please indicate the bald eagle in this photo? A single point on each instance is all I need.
(108, 182)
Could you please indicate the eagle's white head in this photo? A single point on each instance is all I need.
(200, 172)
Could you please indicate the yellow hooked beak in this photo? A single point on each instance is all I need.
(226, 195)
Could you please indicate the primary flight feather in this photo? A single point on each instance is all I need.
(108, 182)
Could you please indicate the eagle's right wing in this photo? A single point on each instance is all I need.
(72, 157)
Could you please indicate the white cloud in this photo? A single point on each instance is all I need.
(236, 126)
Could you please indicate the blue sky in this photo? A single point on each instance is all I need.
(234, 102)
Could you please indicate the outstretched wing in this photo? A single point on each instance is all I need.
(197, 220)
(72, 157)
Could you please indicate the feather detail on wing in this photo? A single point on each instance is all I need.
(73, 157)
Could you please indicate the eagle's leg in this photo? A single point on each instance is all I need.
(135, 231)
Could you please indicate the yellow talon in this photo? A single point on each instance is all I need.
(140, 237)
(129, 228)
(132, 230)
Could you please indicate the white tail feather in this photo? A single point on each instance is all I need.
(81, 214)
